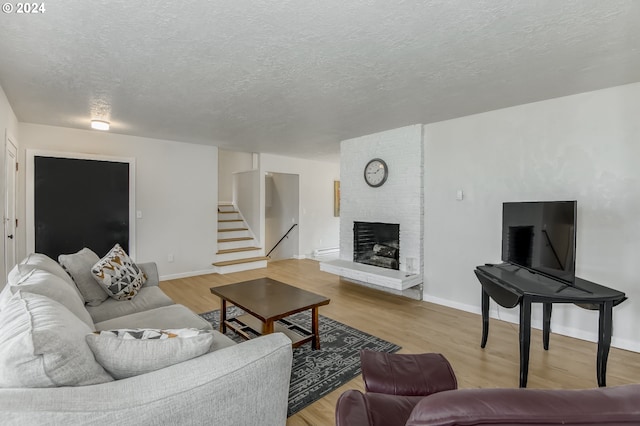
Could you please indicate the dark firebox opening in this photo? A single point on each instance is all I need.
(377, 244)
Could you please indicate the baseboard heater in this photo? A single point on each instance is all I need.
(325, 251)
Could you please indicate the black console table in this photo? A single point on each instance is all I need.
(510, 285)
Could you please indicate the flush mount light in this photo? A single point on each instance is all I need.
(99, 125)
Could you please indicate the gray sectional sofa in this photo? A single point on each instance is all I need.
(48, 374)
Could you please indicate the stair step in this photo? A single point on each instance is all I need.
(236, 250)
(240, 261)
(229, 240)
(223, 208)
(228, 211)
(233, 229)
(234, 224)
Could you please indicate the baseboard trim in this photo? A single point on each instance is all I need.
(186, 274)
(514, 318)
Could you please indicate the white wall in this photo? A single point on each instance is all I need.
(282, 209)
(584, 147)
(318, 228)
(8, 125)
(246, 189)
(176, 190)
(399, 200)
(230, 162)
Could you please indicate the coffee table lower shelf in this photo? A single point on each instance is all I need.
(249, 327)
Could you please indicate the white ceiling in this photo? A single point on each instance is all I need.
(296, 77)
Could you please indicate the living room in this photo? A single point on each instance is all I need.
(567, 144)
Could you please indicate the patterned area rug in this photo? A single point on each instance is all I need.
(317, 373)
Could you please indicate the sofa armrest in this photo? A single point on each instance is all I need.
(150, 269)
(245, 384)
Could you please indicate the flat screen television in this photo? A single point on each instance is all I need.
(541, 237)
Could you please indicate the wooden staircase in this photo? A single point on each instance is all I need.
(237, 249)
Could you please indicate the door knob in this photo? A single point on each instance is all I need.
(10, 236)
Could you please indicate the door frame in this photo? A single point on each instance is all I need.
(9, 145)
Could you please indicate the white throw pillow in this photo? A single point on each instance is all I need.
(130, 352)
(42, 344)
(44, 262)
(78, 265)
(45, 283)
(118, 275)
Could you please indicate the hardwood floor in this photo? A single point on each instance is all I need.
(421, 327)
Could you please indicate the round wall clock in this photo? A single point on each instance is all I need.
(376, 172)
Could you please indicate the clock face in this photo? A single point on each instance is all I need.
(376, 172)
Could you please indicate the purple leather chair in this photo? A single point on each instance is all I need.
(421, 389)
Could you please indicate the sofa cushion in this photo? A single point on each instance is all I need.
(172, 316)
(79, 265)
(147, 298)
(42, 344)
(45, 283)
(118, 275)
(130, 352)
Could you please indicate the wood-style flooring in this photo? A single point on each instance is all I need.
(421, 327)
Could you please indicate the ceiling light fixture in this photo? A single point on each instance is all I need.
(99, 125)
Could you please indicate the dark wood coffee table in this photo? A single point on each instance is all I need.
(268, 302)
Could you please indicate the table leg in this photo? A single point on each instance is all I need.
(223, 316)
(267, 327)
(315, 343)
(546, 324)
(485, 318)
(604, 341)
(525, 339)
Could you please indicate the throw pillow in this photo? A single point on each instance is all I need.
(42, 344)
(130, 352)
(42, 262)
(44, 283)
(78, 265)
(118, 275)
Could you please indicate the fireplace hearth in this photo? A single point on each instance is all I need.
(377, 244)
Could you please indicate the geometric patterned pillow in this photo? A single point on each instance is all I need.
(127, 353)
(152, 333)
(118, 275)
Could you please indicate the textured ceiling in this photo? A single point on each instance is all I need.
(296, 77)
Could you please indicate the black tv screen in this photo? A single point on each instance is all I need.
(541, 236)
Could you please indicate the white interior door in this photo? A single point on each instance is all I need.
(11, 162)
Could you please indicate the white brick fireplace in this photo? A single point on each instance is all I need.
(399, 201)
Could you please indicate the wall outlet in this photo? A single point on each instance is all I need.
(170, 257)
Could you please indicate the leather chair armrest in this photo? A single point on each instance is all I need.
(406, 374)
(352, 410)
(374, 409)
(611, 406)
